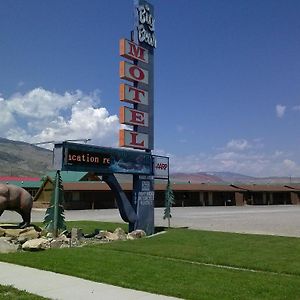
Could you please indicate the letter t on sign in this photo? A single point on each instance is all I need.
(133, 95)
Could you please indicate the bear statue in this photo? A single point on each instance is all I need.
(16, 199)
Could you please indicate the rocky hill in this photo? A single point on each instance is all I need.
(23, 159)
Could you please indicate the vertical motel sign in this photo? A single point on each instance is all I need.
(138, 88)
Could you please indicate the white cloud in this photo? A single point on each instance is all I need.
(40, 103)
(280, 110)
(41, 115)
(238, 145)
(254, 160)
(289, 164)
(296, 108)
(6, 117)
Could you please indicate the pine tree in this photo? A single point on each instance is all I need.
(169, 201)
(54, 218)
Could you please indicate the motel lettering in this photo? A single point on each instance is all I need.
(133, 95)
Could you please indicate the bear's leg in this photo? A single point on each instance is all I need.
(3, 203)
(26, 219)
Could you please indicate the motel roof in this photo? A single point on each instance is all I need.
(102, 186)
(203, 187)
(70, 176)
(22, 181)
(263, 188)
(295, 187)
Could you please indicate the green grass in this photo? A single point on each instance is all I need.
(10, 293)
(174, 263)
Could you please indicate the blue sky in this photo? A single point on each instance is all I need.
(227, 78)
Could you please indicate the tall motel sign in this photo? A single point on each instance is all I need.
(137, 91)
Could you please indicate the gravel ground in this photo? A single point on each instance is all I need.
(274, 220)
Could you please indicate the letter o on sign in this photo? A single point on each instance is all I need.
(136, 73)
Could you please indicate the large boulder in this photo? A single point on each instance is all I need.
(28, 233)
(36, 244)
(13, 232)
(118, 235)
(136, 234)
(6, 246)
(22, 235)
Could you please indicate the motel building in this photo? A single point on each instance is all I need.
(84, 190)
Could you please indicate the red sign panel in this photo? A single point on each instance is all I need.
(133, 117)
(133, 139)
(133, 51)
(133, 73)
(133, 95)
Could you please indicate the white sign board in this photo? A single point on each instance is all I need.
(161, 167)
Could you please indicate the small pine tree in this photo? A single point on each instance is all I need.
(169, 201)
(54, 218)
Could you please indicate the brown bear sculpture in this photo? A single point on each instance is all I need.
(16, 199)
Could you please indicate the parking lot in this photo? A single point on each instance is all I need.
(275, 220)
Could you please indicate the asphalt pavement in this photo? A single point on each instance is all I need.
(272, 220)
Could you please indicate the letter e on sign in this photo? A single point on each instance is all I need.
(131, 116)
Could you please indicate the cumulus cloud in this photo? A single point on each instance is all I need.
(41, 115)
(280, 110)
(6, 117)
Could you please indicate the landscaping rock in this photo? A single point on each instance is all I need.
(15, 232)
(7, 247)
(76, 236)
(2, 231)
(60, 242)
(29, 233)
(36, 244)
(34, 239)
(103, 234)
(120, 234)
(56, 243)
(76, 233)
(136, 234)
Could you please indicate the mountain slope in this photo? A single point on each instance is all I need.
(23, 159)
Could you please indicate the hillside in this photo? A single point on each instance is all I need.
(23, 159)
(229, 177)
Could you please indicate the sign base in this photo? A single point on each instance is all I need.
(143, 203)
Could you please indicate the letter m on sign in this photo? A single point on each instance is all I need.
(133, 51)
